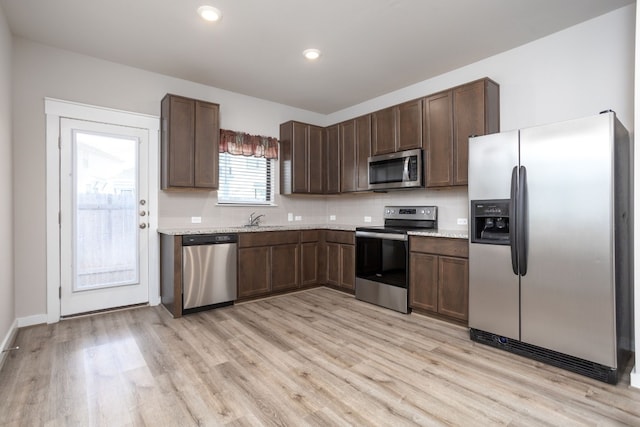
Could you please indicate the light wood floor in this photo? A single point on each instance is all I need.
(317, 357)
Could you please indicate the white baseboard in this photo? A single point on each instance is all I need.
(635, 377)
(8, 341)
(36, 319)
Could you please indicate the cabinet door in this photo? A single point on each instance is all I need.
(363, 151)
(348, 266)
(207, 139)
(439, 139)
(316, 159)
(299, 158)
(384, 131)
(469, 119)
(348, 156)
(333, 159)
(453, 294)
(178, 141)
(309, 263)
(333, 263)
(254, 271)
(409, 125)
(284, 267)
(423, 281)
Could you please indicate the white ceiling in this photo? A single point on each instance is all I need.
(370, 47)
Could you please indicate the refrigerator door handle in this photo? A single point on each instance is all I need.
(523, 222)
(513, 218)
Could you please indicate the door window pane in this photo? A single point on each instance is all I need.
(105, 211)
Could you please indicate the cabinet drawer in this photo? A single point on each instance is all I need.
(268, 238)
(310, 236)
(345, 237)
(440, 246)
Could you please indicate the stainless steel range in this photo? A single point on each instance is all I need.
(382, 255)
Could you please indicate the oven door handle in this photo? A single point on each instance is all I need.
(384, 236)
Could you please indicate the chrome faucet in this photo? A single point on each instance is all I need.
(254, 221)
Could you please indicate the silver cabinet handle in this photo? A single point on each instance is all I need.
(143, 225)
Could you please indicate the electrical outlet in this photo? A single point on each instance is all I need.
(462, 221)
(298, 218)
(289, 216)
(332, 217)
(196, 219)
(367, 219)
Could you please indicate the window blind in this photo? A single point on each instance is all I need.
(245, 180)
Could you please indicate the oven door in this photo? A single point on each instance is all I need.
(381, 269)
(382, 257)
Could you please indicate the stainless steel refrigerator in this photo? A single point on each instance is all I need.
(550, 243)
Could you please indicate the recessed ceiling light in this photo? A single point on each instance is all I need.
(311, 54)
(209, 13)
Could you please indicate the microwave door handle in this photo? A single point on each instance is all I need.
(405, 171)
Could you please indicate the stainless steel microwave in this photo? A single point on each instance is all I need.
(400, 170)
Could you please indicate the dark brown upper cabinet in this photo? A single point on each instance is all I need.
(190, 139)
(450, 118)
(302, 159)
(409, 125)
(348, 165)
(332, 147)
(363, 151)
(397, 128)
(384, 131)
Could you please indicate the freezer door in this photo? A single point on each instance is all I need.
(567, 294)
(493, 287)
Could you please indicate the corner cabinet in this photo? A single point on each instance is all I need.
(190, 140)
(450, 118)
(302, 159)
(439, 276)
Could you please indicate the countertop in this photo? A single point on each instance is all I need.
(453, 234)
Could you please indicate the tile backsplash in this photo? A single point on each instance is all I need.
(176, 209)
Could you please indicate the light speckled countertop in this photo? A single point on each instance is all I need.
(455, 234)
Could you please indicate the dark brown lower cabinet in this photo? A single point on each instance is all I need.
(311, 257)
(284, 267)
(439, 276)
(268, 262)
(341, 259)
(254, 271)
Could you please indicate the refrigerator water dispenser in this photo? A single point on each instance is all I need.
(490, 222)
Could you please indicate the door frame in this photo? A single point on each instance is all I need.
(54, 110)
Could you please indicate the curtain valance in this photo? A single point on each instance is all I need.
(243, 144)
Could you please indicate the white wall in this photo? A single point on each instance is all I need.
(7, 313)
(576, 72)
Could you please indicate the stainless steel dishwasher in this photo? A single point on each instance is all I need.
(209, 271)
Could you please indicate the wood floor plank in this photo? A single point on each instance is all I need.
(316, 358)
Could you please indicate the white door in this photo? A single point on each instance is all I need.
(104, 216)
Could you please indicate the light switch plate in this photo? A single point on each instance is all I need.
(332, 217)
(367, 219)
(196, 219)
(289, 216)
(462, 221)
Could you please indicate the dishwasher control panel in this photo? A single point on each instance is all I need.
(208, 239)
